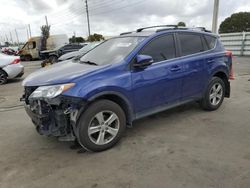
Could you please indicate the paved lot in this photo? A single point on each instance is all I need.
(182, 147)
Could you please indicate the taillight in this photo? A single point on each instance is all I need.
(230, 56)
(16, 61)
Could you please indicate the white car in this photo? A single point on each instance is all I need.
(10, 67)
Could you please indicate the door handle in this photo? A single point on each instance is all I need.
(175, 68)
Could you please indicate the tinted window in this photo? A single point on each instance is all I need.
(190, 44)
(67, 47)
(161, 48)
(210, 41)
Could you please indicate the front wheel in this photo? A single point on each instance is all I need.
(3, 77)
(214, 94)
(101, 126)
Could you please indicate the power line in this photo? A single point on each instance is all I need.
(118, 8)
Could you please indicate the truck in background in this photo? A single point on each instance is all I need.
(31, 49)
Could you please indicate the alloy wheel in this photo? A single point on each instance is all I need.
(216, 93)
(103, 127)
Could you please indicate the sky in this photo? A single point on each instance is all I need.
(107, 17)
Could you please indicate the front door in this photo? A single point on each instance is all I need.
(159, 84)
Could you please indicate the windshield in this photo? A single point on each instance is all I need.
(88, 47)
(112, 50)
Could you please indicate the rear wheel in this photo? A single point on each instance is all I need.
(101, 126)
(3, 77)
(214, 95)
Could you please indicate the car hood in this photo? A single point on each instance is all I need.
(69, 55)
(59, 73)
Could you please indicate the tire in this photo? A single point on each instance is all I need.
(93, 126)
(53, 59)
(214, 94)
(27, 58)
(3, 77)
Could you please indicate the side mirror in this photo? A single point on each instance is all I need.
(143, 61)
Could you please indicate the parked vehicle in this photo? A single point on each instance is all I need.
(8, 51)
(54, 54)
(31, 50)
(10, 67)
(11, 50)
(79, 53)
(126, 78)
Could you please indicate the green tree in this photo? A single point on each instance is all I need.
(74, 39)
(182, 24)
(95, 37)
(45, 32)
(237, 22)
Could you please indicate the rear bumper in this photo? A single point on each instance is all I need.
(15, 70)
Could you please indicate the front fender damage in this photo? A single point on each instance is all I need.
(56, 117)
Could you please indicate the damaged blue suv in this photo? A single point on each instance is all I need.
(94, 99)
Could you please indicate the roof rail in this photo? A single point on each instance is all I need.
(168, 27)
(143, 28)
(125, 33)
(202, 29)
(182, 28)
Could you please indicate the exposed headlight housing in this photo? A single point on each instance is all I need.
(50, 91)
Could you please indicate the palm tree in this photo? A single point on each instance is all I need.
(45, 29)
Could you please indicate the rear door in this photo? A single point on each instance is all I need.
(194, 73)
(159, 84)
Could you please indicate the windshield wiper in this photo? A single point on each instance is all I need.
(89, 62)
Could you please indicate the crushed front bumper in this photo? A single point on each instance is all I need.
(55, 117)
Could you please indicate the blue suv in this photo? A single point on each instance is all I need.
(92, 100)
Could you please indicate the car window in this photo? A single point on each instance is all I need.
(210, 41)
(67, 47)
(161, 48)
(34, 44)
(190, 43)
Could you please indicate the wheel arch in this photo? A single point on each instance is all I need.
(225, 78)
(119, 99)
(4, 72)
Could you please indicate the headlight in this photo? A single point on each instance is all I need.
(50, 91)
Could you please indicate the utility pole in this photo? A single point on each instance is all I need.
(11, 39)
(46, 20)
(29, 30)
(215, 16)
(17, 38)
(87, 11)
(7, 40)
(74, 37)
(27, 34)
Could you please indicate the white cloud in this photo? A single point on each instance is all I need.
(108, 17)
